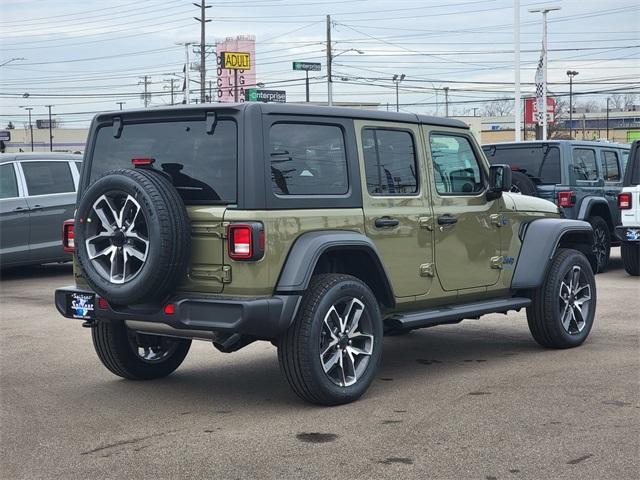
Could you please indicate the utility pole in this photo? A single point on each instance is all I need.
(210, 92)
(203, 71)
(571, 74)
(446, 101)
(516, 68)
(397, 79)
(120, 103)
(50, 130)
(187, 66)
(28, 109)
(607, 118)
(329, 58)
(544, 11)
(146, 81)
(171, 81)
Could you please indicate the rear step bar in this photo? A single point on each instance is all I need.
(454, 314)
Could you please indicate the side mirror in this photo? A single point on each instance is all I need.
(499, 181)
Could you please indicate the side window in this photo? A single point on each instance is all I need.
(456, 168)
(308, 159)
(390, 161)
(610, 166)
(625, 159)
(584, 164)
(44, 178)
(8, 183)
(79, 167)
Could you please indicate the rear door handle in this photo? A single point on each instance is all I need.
(36, 207)
(386, 222)
(447, 219)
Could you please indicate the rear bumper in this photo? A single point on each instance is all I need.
(261, 318)
(628, 233)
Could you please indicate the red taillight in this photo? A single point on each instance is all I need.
(245, 241)
(142, 162)
(169, 309)
(624, 201)
(68, 237)
(103, 304)
(566, 199)
(240, 242)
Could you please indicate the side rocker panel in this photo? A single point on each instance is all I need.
(541, 239)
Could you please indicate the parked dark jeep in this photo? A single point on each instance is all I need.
(584, 178)
(317, 229)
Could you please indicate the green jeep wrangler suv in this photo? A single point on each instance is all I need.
(318, 229)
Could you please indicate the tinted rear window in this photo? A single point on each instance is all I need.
(45, 178)
(203, 167)
(539, 161)
(8, 184)
(308, 159)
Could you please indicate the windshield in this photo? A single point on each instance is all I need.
(202, 167)
(540, 162)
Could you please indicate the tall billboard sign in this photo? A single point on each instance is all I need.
(235, 61)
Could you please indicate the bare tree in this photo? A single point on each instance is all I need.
(616, 101)
(589, 106)
(557, 129)
(498, 108)
(630, 100)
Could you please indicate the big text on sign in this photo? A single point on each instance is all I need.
(236, 60)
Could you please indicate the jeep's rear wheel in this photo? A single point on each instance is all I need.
(330, 354)
(601, 242)
(137, 356)
(631, 257)
(563, 308)
(132, 236)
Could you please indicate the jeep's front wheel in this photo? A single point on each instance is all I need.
(330, 354)
(563, 308)
(137, 356)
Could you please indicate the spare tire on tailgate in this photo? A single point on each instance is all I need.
(132, 236)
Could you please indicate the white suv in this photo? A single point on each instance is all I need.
(629, 204)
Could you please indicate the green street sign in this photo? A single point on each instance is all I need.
(308, 66)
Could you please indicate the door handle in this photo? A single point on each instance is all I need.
(386, 222)
(447, 219)
(36, 207)
(20, 209)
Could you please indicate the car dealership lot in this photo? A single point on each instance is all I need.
(476, 400)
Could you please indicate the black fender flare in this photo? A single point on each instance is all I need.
(584, 212)
(541, 240)
(309, 247)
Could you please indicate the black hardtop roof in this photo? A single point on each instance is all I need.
(40, 156)
(286, 109)
(586, 143)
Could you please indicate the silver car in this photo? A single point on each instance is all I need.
(37, 193)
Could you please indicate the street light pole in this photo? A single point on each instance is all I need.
(571, 74)
(544, 11)
(28, 109)
(329, 59)
(50, 130)
(516, 68)
(446, 101)
(397, 79)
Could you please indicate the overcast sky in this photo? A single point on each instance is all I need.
(83, 56)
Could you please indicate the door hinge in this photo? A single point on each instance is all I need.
(496, 262)
(426, 222)
(212, 229)
(426, 270)
(499, 220)
(219, 273)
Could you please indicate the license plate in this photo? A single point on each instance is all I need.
(81, 305)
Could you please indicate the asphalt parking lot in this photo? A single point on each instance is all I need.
(478, 400)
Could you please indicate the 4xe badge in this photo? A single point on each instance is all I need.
(81, 305)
